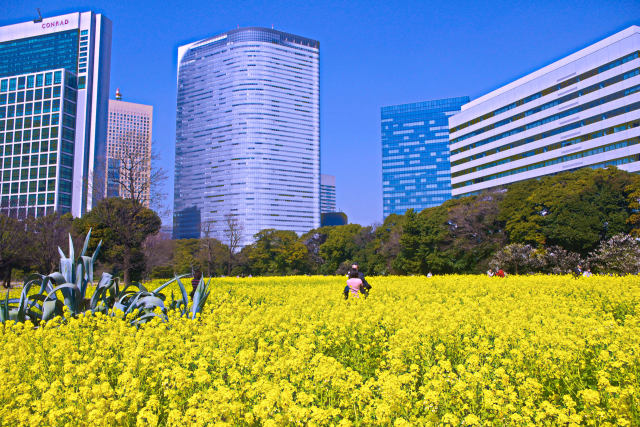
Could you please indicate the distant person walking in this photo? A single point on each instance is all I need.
(354, 285)
(366, 287)
(577, 272)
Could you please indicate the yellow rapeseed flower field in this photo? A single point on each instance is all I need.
(458, 350)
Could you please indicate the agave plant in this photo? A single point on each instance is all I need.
(71, 282)
(132, 302)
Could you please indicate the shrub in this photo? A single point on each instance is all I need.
(618, 255)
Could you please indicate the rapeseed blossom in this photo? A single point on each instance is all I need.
(452, 350)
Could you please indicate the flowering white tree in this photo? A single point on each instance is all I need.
(618, 255)
(517, 258)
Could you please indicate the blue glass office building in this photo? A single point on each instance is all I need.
(54, 85)
(416, 172)
(247, 134)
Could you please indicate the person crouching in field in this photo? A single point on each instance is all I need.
(354, 285)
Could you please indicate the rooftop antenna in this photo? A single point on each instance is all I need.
(39, 18)
(272, 26)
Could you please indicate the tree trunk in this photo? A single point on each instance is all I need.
(127, 266)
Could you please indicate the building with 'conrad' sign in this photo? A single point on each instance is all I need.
(54, 87)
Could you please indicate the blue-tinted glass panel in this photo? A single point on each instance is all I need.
(416, 171)
(56, 50)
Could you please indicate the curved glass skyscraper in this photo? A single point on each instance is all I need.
(247, 134)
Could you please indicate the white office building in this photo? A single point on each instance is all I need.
(580, 111)
(54, 88)
(247, 134)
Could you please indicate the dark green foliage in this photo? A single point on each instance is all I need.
(123, 225)
(573, 210)
(563, 218)
(277, 252)
(457, 237)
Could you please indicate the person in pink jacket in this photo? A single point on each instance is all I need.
(354, 283)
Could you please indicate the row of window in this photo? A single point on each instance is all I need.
(34, 147)
(558, 145)
(32, 135)
(30, 200)
(26, 161)
(22, 212)
(574, 95)
(35, 108)
(43, 172)
(562, 159)
(570, 112)
(29, 82)
(35, 122)
(566, 128)
(30, 95)
(551, 89)
(32, 186)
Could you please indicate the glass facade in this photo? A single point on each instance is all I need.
(415, 154)
(247, 134)
(33, 54)
(54, 83)
(37, 132)
(327, 193)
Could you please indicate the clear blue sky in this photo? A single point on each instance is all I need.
(372, 53)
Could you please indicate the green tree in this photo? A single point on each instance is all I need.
(458, 236)
(340, 247)
(13, 247)
(574, 210)
(122, 225)
(385, 246)
(185, 256)
(277, 252)
(46, 234)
